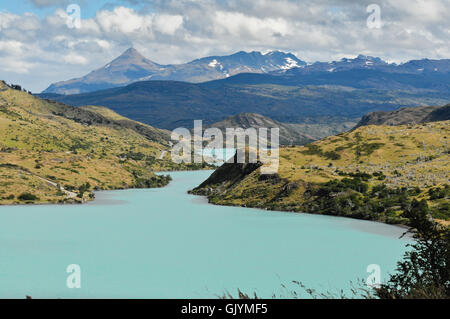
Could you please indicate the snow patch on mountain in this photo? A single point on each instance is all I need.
(214, 63)
(290, 63)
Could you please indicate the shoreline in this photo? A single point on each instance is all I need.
(262, 209)
(86, 201)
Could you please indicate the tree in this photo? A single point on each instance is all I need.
(83, 189)
(425, 270)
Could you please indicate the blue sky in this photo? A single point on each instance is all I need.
(89, 8)
(37, 46)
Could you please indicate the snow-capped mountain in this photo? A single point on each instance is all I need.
(131, 67)
(363, 62)
(345, 64)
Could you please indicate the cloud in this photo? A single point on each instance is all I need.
(168, 24)
(11, 47)
(75, 59)
(123, 20)
(175, 31)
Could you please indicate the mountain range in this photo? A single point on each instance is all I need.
(281, 88)
(132, 66)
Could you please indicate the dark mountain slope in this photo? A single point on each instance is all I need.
(409, 115)
(288, 134)
(355, 78)
(440, 114)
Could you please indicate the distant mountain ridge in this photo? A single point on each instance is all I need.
(131, 67)
(364, 62)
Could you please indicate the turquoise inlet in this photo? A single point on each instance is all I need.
(164, 243)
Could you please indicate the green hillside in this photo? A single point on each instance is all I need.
(371, 173)
(51, 152)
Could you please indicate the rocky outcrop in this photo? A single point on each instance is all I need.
(229, 174)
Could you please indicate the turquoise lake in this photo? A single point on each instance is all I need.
(164, 243)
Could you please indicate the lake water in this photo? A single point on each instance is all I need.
(164, 243)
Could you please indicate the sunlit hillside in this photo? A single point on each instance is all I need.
(371, 173)
(50, 152)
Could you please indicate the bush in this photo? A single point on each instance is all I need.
(439, 193)
(27, 197)
(332, 156)
(83, 189)
(153, 182)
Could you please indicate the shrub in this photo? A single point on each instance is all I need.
(27, 197)
(332, 156)
(439, 193)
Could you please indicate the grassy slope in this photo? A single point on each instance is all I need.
(409, 156)
(159, 135)
(38, 147)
